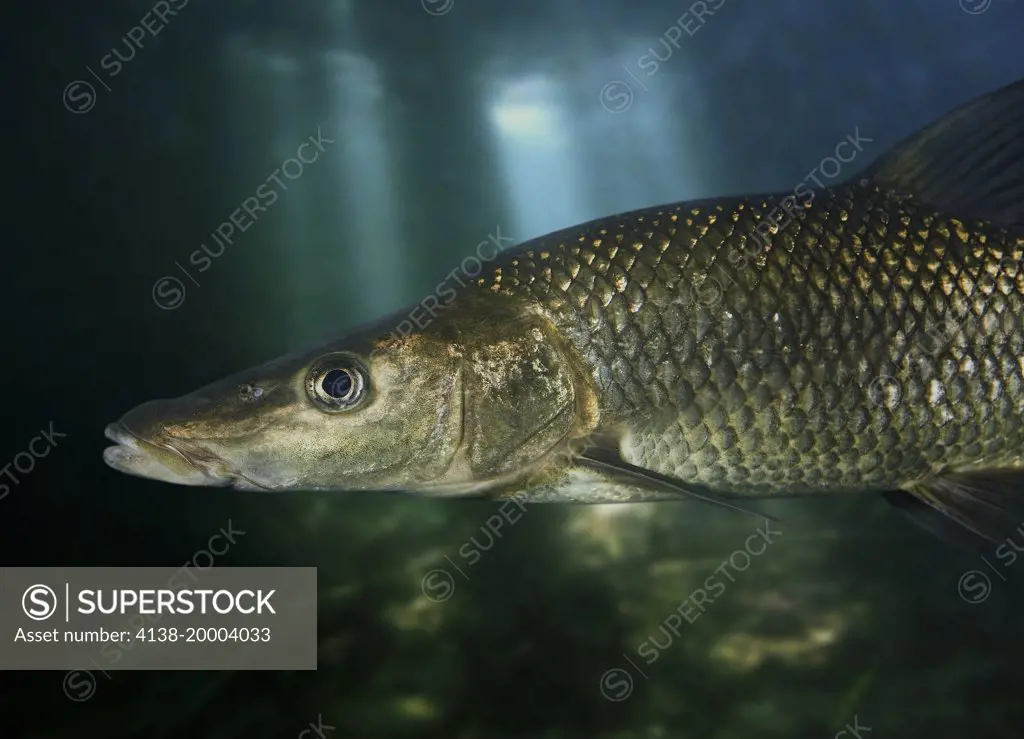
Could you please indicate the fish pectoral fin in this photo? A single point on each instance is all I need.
(601, 457)
(934, 521)
(970, 163)
(966, 509)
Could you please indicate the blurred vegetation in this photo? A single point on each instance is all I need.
(851, 612)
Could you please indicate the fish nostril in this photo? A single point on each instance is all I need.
(249, 392)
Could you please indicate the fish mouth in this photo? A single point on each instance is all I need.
(163, 461)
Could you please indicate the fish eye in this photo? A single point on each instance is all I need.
(341, 384)
(337, 383)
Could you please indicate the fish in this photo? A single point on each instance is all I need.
(860, 338)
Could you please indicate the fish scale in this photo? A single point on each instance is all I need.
(825, 362)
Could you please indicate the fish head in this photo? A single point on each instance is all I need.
(364, 412)
(454, 408)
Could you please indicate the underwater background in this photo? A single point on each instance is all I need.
(134, 135)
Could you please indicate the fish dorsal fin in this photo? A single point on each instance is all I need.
(969, 163)
(987, 503)
(602, 455)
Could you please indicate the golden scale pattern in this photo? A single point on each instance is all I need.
(872, 343)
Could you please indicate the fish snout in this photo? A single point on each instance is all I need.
(144, 448)
(156, 417)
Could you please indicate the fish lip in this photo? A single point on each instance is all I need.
(119, 434)
(123, 436)
(132, 453)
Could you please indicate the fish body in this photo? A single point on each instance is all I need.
(860, 338)
(870, 341)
